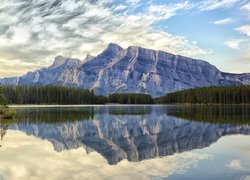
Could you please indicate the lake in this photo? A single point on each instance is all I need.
(126, 142)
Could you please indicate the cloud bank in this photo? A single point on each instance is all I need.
(36, 31)
(32, 33)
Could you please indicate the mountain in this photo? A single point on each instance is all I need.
(64, 71)
(131, 70)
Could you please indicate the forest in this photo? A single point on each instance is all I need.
(67, 95)
(71, 95)
(5, 112)
(50, 95)
(130, 99)
(2, 98)
(209, 95)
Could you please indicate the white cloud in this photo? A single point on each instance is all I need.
(20, 35)
(246, 6)
(241, 147)
(238, 165)
(120, 8)
(166, 11)
(133, 2)
(33, 158)
(37, 31)
(224, 21)
(233, 44)
(209, 5)
(244, 30)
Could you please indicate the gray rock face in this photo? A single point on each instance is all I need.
(131, 70)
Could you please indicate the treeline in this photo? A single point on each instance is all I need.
(71, 95)
(209, 95)
(50, 95)
(5, 112)
(2, 98)
(130, 99)
(66, 95)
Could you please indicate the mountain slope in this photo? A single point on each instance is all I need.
(131, 70)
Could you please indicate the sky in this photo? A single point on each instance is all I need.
(34, 32)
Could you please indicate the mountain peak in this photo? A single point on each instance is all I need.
(88, 57)
(114, 47)
(59, 60)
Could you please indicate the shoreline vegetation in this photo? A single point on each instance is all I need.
(209, 96)
(58, 95)
(5, 111)
(52, 95)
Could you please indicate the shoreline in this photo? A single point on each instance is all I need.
(113, 105)
(83, 105)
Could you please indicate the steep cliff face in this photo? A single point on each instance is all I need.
(132, 137)
(131, 70)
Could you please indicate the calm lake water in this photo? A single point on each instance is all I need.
(126, 142)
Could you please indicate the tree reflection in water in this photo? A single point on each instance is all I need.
(134, 133)
(4, 125)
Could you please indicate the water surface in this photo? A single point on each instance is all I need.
(126, 142)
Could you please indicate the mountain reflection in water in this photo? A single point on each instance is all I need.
(134, 133)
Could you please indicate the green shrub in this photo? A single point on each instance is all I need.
(7, 113)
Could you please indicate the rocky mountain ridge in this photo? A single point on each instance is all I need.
(131, 70)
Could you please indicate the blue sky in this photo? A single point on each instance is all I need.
(32, 33)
